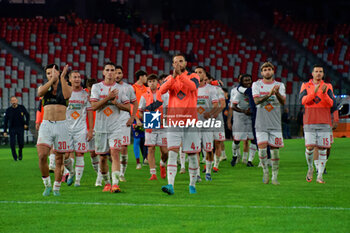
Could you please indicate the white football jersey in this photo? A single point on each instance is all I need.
(77, 109)
(108, 117)
(268, 115)
(206, 97)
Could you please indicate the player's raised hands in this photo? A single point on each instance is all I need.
(55, 74)
(317, 87)
(324, 88)
(65, 71)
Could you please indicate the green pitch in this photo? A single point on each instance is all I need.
(235, 201)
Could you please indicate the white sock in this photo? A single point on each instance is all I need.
(263, 159)
(208, 166)
(309, 155)
(65, 170)
(216, 161)
(56, 186)
(252, 151)
(317, 165)
(153, 171)
(235, 149)
(198, 171)
(79, 168)
(68, 163)
(52, 160)
(95, 162)
(162, 163)
(182, 160)
(245, 156)
(192, 169)
(223, 153)
(47, 181)
(275, 158)
(115, 177)
(172, 167)
(322, 159)
(106, 178)
(123, 164)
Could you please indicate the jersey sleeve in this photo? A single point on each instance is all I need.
(235, 99)
(132, 95)
(88, 104)
(95, 95)
(220, 93)
(123, 98)
(282, 90)
(142, 104)
(255, 89)
(213, 97)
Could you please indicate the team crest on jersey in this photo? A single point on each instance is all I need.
(75, 115)
(181, 95)
(151, 120)
(108, 111)
(317, 100)
(200, 110)
(268, 107)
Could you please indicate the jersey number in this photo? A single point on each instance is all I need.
(62, 145)
(278, 141)
(81, 146)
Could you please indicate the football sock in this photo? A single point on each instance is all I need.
(263, 159)
(79, 168)
(123, 164)
(106, 178)
(252, 150)
(115, 177)
(182, 159)
(245, 156)
(216, 161)
(322, 158)
(52, 160)
(95, 161)
(235, 149)
(208, 166)
(309, 155)
(47, 181)
(192, 168)
(172, 167)
(275, 158)
(56, 186)
(153, 171)
(68, 163)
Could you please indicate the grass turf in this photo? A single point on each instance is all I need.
(235, 201)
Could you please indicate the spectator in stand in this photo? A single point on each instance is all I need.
(94, 41)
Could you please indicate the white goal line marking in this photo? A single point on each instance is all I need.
(174, 205)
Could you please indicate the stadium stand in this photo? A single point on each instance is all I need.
(329, 45)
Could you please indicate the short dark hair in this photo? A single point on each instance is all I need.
(90, 82)
(200, 67)
(73, 71)
(152, 77)
(50, 66)
(179, 55)
(160, 77)
(109, 64)
(118, 67)
(244, 76)
(317, 66)
(140, 73)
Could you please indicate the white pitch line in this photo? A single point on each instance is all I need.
(175, 205)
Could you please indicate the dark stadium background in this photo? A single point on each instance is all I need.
(226, 37)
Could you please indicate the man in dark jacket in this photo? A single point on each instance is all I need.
(16, 120)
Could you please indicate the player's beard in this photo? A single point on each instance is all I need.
(183, 70)
(268, 77)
